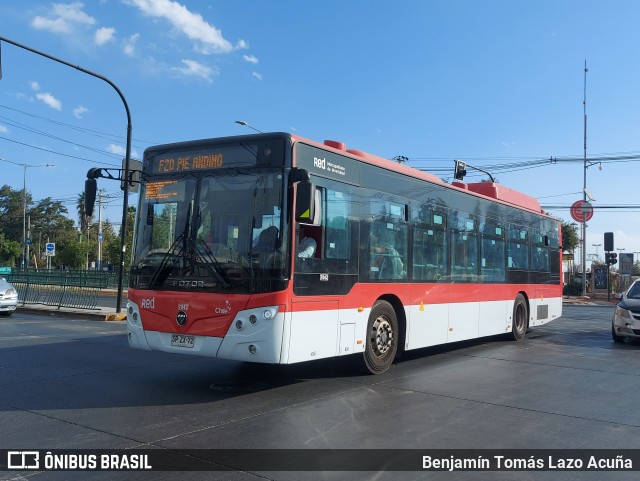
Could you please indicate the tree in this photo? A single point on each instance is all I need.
(108, 236)
(570, 237)
(12, 212)
(85, 220)
(49, 223)
(72, 254)
(113, 248)
(10, 251)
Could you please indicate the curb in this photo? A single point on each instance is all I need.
(76, 314)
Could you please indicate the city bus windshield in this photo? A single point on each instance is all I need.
(211, 230)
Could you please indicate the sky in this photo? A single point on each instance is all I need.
(498, 84)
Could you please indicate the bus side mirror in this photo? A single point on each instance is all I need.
(90, 188)
(305, 202)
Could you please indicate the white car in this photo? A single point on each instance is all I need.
(626, 318)
(8, 298)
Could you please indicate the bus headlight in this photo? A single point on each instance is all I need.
(270, 313)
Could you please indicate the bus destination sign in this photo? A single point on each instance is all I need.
(186, 163)
(165, 191)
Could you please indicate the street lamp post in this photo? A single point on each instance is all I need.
(596, 246)
(246, 124)
(24, 262)
(586, 194)
(584, 190)
(127, 156)
(25, 246)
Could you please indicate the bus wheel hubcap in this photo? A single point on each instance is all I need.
(383, 336)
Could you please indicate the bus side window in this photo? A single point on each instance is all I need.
(337, 225)
(429, 253)
(464, 250)
(388, 253)
(539, 259)
(492, 263)
(518, 249)
(493, 259)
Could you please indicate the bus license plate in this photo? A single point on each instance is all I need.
(178, 340)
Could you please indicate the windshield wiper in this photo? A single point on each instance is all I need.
(162, 272)
(213, 264)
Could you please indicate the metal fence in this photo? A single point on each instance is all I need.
(76, 289)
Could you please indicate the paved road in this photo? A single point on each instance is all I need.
(75, 384)
(109, 298)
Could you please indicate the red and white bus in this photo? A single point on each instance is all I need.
(398, 259)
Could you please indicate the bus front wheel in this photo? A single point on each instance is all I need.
(520, 320)
(382, 338)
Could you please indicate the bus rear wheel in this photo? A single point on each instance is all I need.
(520, 320)
(382, 338)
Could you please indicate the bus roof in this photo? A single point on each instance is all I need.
(491, 190)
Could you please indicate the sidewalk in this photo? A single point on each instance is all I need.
(589, 301)
(97, 314)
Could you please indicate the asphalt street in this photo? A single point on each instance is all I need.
(75, 384)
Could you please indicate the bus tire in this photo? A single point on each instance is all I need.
(520, 319)
(382, 338)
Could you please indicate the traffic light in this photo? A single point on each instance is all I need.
(608, 241)
(611, 258)
(460, 170)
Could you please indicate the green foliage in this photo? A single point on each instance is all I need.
(9, 252)
(50, 222)
(113, 247)
(572, 289)
(570, 237)
(72, 254)
(12, 213)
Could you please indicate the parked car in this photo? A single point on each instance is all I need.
(8, 297)
(626, 317)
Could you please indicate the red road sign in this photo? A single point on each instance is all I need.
(581, 211)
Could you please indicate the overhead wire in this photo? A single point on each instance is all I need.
(96, 133)
(513, 164)
(55, 137)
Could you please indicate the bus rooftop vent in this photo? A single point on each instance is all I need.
(500, 192)
(335, 144)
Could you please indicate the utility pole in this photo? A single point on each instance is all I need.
(584, 190)
(99, 262)
(28, 239)
(127, 158)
